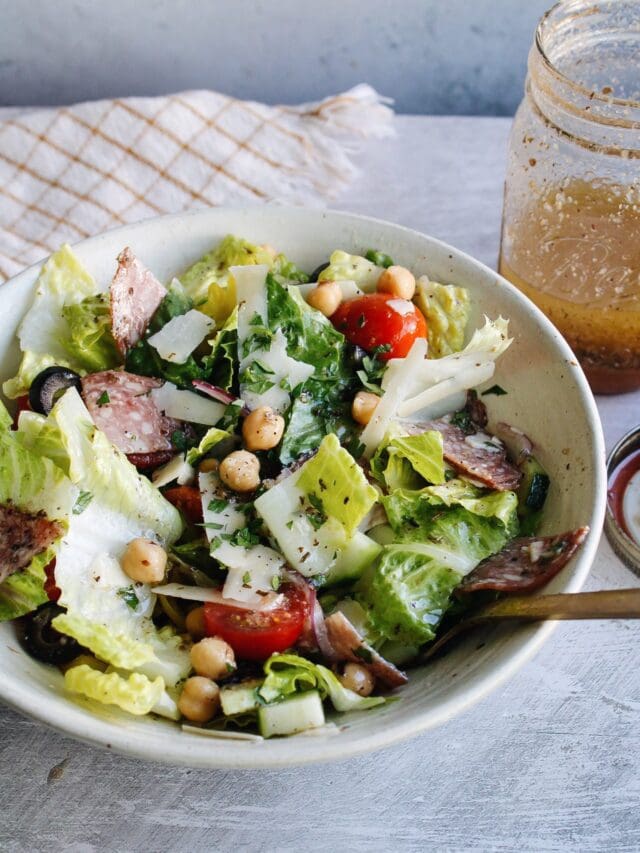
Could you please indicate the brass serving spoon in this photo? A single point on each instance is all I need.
(605, 604)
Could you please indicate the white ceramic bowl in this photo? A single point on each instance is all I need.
(548, 398)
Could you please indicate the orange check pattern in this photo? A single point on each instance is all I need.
(70, 172)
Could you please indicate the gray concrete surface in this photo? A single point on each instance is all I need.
(433, 56)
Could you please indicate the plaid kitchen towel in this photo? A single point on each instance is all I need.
(67, 173)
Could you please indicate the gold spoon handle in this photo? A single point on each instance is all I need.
(605, 604)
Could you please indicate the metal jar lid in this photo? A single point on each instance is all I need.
(626, 548)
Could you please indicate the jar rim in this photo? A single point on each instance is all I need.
(588, 92)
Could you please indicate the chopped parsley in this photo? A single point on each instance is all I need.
(179, 440)
(316, 515)
(257, 377)
(217, 505)
(128, 595)
(463, 420)
(82, 502)
(103, 399)
(380, 259)
(495, 389)
(246, 579)
(275, 583)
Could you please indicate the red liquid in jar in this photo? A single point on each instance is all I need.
(617, 486)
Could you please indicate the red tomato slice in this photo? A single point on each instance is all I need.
(256, 634)
(187, 500)
(380, 320)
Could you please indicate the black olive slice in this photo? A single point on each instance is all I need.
(43, 642)
(48, 386)
(314, 275)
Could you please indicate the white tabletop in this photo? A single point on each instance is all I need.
(547, 762)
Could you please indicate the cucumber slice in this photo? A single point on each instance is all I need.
(291, 716)
(239, 698)
(351, 562)
(532, 494)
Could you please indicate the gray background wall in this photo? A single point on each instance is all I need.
(432, 56)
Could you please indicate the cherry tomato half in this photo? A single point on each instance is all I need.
(380, 320)
(256, 634)
(187, 499)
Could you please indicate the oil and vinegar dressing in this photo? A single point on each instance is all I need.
(575, 252)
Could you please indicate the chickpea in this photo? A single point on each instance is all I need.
(357, 678)
(199, 700)
(262, 429)
(240, 471)
(363, 406)
(194, 623)
(213, 657)
(208, 465)
(325, 297)
(144, 561)
(398, 281)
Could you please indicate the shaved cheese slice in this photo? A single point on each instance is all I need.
(214, 595)
(467, 378)
(175, 469)
(187, 406)
(251, 293)
(178, 338)
(252, 572)
(222, 515)
(387, 409)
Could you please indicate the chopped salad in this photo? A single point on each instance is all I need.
(249, 495)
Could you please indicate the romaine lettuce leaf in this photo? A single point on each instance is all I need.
(208, 281)
(62, 281)
(343, 266)
(446, 309)
(209, 440)
(135, 694)
(409, 461)
(337, 485)
(90, 342)
(289, 674)
(31, 483)
(407, 593)
(220, 367)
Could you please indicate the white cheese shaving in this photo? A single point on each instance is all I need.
(252, 572)
(175, 469)
(187, 406)
(178, 338)
(285, 370)
(401, 306)
(251, 294)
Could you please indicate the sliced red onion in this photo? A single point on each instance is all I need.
(321, 634)
(216, 393)
(314, 634)
(517, 443)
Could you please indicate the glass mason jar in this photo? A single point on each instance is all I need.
(571, 219)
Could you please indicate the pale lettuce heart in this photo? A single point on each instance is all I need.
(42, 334)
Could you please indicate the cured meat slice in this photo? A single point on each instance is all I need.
(135, 295)
(348, 645)
(479, 456)
(145, 461)
(525, 564)
(23, 535)
(122, 407)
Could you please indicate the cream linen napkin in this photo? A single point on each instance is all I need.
(67, 173)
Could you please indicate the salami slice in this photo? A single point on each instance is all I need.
(525, 564)
(135, 295)
(479, 456)
(121, 406)
(348, 645)
(23, 535)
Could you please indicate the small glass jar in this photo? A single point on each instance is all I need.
(571, 218)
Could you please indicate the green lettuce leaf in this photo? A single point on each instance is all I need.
(409, 461)
(33, 484)
(346, 267)
(407, 593)
(446, 309)
(62, 281)
(135, 694)
(322, 404)
(90, 343)
(289, 674)
(220, 367)
(209, 440)
(337, 484)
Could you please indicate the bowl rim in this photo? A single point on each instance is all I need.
(71, 719)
